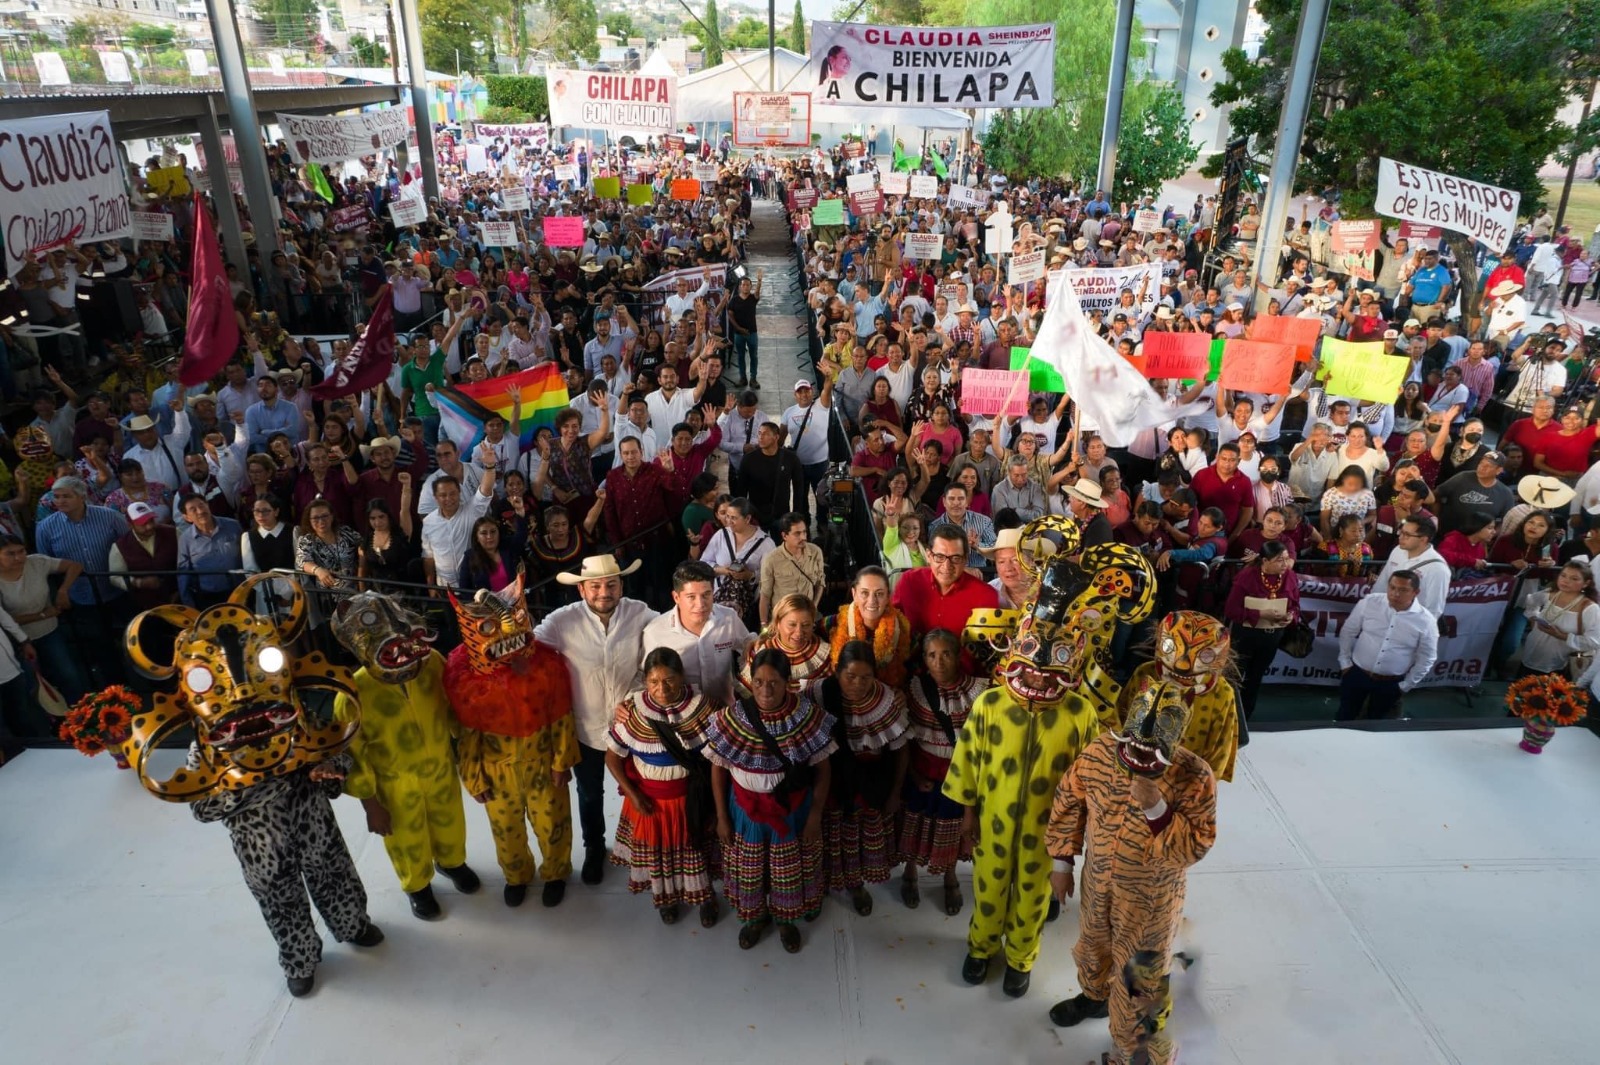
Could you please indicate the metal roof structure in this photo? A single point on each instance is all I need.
(171, 112)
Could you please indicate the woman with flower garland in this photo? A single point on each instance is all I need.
(937, 705)
(793, 631)
(869, 770)
(655, 754)
(770, 777)
(871, 618)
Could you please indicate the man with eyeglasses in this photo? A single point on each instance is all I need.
(942, 595)
(1415, 553)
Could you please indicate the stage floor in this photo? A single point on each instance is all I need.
(1411, 898)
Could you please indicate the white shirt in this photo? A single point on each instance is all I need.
(1507, 315)
(739, 430)
(1536, 378)
(813, 446)
(591, 420)
(665, 413)
(445, 540)
(901, 382)
(626, 430)
(1545, 259)
(164, 462)
(602, 658)
(1587, 491)
(678, 306)
(471, 476)
(1431, 570)
(1389, 642)
(710, 659)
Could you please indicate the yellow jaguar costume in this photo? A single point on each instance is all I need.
(1024, 733)
(404, 763)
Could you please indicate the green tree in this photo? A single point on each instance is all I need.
(1468, 88)
(528, 96)
(576, 22)
(749, 33)
(797, 30)
(368, 53)
(619, 23)
(1153, 146)
(289, 22)
(711, 36)
(149, 35)
(449, 30)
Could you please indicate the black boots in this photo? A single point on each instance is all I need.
(423, 904)
(462, 876)
(1081, 1007)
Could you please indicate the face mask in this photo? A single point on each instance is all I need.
(1472, 438)
(1269, 476)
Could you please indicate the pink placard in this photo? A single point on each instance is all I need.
(563, 232)
(997, 392)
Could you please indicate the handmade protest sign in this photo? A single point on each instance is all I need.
(1482, 211)
(1363, 371)
(44, 200)
(685, 189)
(1180, 356)
(610, 188)
(924, 186)
(640, 195)
(1002, 393)
(563, 231)
(828, 213)
(1256, 366)
(1301, 332)
(860, 182)
(894, 184)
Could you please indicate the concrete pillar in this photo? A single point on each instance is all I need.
(1121, 43)
(1286, 155)
(221, 190)
(411, 27)
(244, 123)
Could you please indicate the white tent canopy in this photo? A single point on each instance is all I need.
(707, 96)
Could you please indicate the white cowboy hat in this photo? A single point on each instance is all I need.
(598, 568)
(1012, 539)
(1546, 493)
(1505, 288)
(1087, 492)
(380, 441)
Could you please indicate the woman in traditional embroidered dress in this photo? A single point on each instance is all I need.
(655, 754)
(770, 777)
(793, 630)
(937, 704)
(869, 769)
(870, 617)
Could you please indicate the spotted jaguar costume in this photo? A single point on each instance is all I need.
(258, 762)
(1135, 866)
(1024, 733)
(513, 698)
(404, 763)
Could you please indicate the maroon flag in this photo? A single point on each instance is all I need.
(370, 358)
(213, 333)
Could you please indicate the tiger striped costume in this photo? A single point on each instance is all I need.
(1133, 880)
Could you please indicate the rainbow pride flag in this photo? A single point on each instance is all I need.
(464, 408)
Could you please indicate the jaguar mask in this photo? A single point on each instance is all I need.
(390, 640)
(495, 628)
(1193, 650)
(1157, 717)
(240, 690)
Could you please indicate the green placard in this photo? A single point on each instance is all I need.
(608, 188)
(1042, 377)
(1216, 358)
(828, 213)
(641, 195)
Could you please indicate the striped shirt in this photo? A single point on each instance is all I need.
(87, 541)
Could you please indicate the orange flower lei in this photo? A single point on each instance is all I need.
(891, 640)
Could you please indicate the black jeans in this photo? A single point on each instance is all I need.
(1361, 690)
(1255, 649)
(590, 773)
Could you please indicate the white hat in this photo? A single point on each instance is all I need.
(141, 423)
(1412, 322)
(1164, 312)
(1011, 539)
(381, 441)
(803, 383)
(1087, 491)
(139, 513)
(1080, 243)
(598, 568)
(1547, 493)
(1505, 288)
(1235, 306)
(822, 245)
(966, 308)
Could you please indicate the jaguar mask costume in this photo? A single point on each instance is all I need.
(518, 741)
(1024, 733)
(258, 763)
(404, 767)
(1193, 655)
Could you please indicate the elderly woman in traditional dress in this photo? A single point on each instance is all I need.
(793, 630)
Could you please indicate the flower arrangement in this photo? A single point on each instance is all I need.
(100, 721)
(1545, 701)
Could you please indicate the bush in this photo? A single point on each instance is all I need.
(519, 92)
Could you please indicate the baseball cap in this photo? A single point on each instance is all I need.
(1496, 457)
(803, 383)
(1412, 322)
(140, 513)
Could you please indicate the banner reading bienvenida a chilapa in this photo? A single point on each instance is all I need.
(912, 66)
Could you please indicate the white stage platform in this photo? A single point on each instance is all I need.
(1399, 898)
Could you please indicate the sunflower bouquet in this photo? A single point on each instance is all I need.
(100, 721)
(1544, 702)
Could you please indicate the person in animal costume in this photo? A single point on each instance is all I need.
(404, 770)
(513, 698)
(1142, 808)
(1024, 733)
(258, 763)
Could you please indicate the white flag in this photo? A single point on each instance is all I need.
(1112, 396)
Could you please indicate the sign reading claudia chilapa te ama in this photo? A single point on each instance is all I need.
(590, 99)
(1483, 212)
(911, 66)
(335, 138)
(60, 180)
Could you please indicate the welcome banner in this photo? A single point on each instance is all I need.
(335, 138)
(909, 66)
(592, 99)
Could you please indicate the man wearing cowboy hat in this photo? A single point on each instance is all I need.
(381, 479)
(602, 639)
(1508, 314)
(1011, 583)
(1085, 504)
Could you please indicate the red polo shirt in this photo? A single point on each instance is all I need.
(927, 608)
(1230, 496)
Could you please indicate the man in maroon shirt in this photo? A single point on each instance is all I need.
(382, 481)
(1529, 433)
(1221, 485)
(997, 355)
(874, 460)
(685, 460)
(942, 594)
(638, 499)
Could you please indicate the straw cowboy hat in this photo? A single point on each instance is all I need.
(1546, 493)
(598, 568)
(1505, 288)
(1088, 493)
(1011, 539)
(392, 442)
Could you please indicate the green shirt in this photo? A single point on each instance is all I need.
(417, 378)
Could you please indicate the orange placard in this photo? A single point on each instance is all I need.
(1301, 332)
(685, 189)
(1256, 366)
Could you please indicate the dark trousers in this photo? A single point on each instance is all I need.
(1254, 649)
(590, 773)
(1360, 689)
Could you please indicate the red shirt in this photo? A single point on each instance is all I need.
(884, 460)
(927, 608)
(1528, 436)
(1230, 496)
(685, 468)
(635, 503)
(1568, 455)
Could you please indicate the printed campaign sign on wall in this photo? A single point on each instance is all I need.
(60, 179)
(592, 99)
(335, 138)
(1483, 212)
(910, 66)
